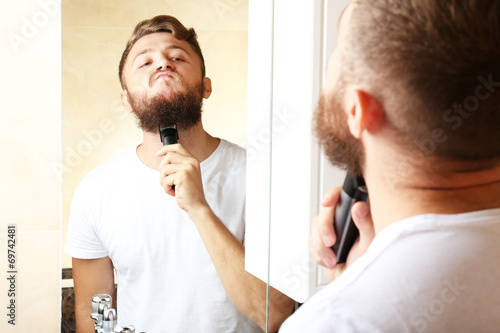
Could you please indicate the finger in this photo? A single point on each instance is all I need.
(332, 274)
(184, 173)
(175, 148)
(362, 218)
(178, 158)
(170, 158)
(324, 221)
(167, 148)
(168, 183)
(322, 235)
(331, 197)
(325, 234)
(168, 170)
(323, 255)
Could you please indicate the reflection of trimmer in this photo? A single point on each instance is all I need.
(353, 190)
(169, 136)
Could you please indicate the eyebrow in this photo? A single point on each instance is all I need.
(170, 47)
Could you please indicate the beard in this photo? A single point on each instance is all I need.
(184, 109)
(340, 146)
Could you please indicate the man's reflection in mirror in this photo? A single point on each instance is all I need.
(160, 215)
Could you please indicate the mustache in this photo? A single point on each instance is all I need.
(156, 75)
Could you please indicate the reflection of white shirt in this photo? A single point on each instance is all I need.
(166, 280)
(428, 273)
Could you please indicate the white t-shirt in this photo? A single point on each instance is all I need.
(166, 279)
(428, 273)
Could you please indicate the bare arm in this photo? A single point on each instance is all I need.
(247, 292)
(91, 276)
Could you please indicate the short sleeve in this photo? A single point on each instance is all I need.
(82, 239)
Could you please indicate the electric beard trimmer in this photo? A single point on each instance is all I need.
(169, 136)
(353, 190)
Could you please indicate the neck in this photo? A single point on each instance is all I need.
(195, 139)
(450, 188)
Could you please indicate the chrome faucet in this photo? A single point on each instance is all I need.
(105, 316)
(123, 329)
(100, 302)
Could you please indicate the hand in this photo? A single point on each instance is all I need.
(178, 167)
(323, 235)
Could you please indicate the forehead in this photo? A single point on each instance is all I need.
(159, 41)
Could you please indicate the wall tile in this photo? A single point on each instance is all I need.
(111, 13)
(213, 15)
(37, 282)
(30, 133)
(30, 118)
(226, 56)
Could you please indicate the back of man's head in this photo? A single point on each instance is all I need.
(434, 65)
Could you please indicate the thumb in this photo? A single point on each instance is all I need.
(362, 218)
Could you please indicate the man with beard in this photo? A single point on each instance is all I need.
(177, 251)
(412, 103)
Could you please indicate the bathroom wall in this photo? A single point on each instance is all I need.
(60, 116)
(30, 131)
(95, 127)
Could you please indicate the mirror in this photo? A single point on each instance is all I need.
(95, 127)
(287, 159)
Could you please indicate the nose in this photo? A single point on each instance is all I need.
(163, 65)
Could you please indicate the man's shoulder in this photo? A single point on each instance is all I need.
(228, 153)
(416, 263)
(233, 149)
(109, 170)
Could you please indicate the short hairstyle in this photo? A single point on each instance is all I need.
(161, 23)
(435, 67)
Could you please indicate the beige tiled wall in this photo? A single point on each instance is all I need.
(30, 131)
(39, 143)
(94, 33)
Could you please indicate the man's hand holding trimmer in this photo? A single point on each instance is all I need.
(323, 235)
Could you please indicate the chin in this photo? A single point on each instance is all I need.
(167, 94)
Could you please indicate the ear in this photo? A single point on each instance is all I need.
(364, 112)
(207, 87)
(125, 102)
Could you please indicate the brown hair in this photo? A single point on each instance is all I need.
(161, 23)
(435, 66)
